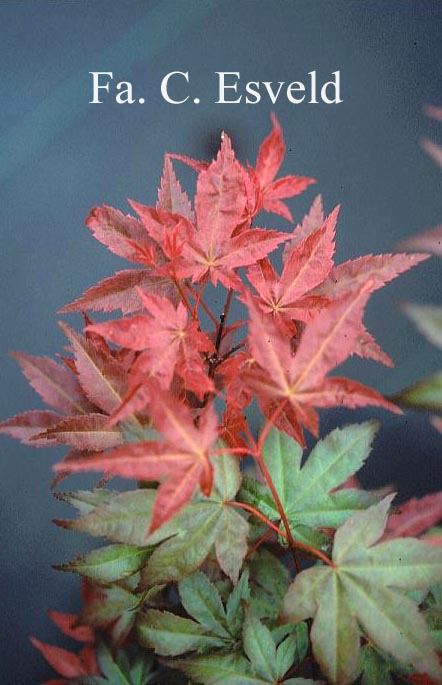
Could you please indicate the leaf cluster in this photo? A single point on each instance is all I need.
(235, 559)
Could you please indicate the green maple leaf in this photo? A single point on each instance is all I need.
(118, 516)
(201, 526)
(306, 493)
(230, 669)
(364, 591)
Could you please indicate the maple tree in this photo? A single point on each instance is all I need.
(207, 573)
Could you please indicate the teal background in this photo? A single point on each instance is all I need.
(60, 155)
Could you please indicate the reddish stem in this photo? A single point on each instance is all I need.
(257, 513)
(198, 297)
(299, 545)
(259, 542)
(230, 450)
(209, 313)
(265, 472)
(183, 295)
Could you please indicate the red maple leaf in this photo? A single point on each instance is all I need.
(217, 248)
(296, 384)
(415, 517)
(168, 343)
(270, 157)
(306, 266)
(68, 664)
(180, 460)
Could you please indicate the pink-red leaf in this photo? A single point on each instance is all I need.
(195, 164)
(28, 425)
(54, 383)
(66, 663)
(171, 197)
(67, 623)
(101, 377)
(120, 292)
(380, 269)
(181, 458)
(89, 432)
(122, 234)
(428, 241)
(220, 199)
(433, 150)
(415, 517)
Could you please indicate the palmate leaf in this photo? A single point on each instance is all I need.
(361, 591)
(207, 629)
(181, 458)
(228, 669)
(289, 387)
(270, 158)
(306, 266)
(89, 432)
(169, 342)
(200, 526)
(120, 517)
(120, 292)
(306, 493)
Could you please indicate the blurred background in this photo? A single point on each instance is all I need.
(60, 155)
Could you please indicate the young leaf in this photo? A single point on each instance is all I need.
(202, 601)
(379, 269)
(289, 387)
(65, 663)
(171, 635)
(270, 158)
(305, 267)
(169, 343)
(68, 624)
(260, 648)
(362, 588)
(125, 236)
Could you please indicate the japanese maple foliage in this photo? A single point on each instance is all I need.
(161, 396)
